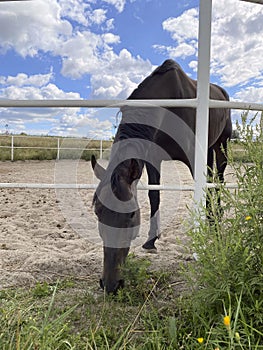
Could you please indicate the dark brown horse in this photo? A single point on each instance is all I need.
(146, 136)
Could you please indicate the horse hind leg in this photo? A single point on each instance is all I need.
(221, 160)
(154, 197)
(221, 163)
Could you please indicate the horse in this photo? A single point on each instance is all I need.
(146, 136)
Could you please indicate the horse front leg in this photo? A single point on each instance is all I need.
(154, 197)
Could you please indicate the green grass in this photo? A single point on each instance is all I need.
(74, 315)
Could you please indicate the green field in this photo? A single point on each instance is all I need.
(33, 148)
(87, 148)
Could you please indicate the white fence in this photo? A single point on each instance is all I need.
(59, 144)
(201, 103)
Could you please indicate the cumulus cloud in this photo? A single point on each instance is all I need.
(119, 4)
(236, 48)
(182, 50)
(128, 72)
(85, 124)
(75, 10)
(110, 38)
(250, 94)
(33, 87)
(22, 79)
(36, 25)
(44, 26)
(99, 16)
(75, 122)
(184, 27)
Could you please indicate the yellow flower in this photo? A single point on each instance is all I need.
(237, 336)
(248, 217)
(217, 349)
(227, 321)
(200, 340)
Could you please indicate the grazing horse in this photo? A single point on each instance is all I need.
(146, 136)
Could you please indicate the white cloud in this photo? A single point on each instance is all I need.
(236, 51)
(236, 45)
(110, 38)
(58, 121)
(182, 50)
(193, 65)
(109, 24)
(80, 54)
(31, 26)
(75, 10)
(120, 75)
(86, 124)
(23, 79)
(119, 4)
(33, 87)
(184, 27)
(44, 26)
(250, 94)
(39, 25)
(99, 16)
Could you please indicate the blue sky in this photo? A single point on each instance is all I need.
(88, 49)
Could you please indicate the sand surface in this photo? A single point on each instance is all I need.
(47, 234)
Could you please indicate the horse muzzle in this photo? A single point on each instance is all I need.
(111, 287)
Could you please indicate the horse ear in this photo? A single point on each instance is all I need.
(99, 171)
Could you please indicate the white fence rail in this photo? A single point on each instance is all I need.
(192, 103)
(141, 186)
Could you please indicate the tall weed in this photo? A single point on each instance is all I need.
(227, 278)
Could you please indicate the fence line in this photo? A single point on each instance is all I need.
(58, 148)
(192, 103)
(140, 186)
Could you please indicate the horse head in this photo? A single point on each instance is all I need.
(115, 204)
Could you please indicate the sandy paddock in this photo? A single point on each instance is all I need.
(47, 233)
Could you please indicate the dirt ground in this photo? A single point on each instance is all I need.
(47, 233)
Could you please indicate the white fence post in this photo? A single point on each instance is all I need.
(58, 146)
(12, 148)
(101, 149)
(202, 110)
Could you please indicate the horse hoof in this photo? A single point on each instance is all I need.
(150, 251)
(150, 247)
